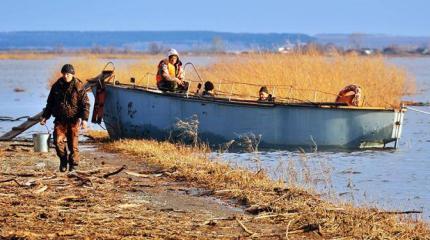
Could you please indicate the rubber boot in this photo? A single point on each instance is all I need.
(72, 165)
(63, 164)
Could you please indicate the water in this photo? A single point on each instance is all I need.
(391, 179)
(395, 179)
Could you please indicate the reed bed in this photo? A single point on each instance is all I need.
(311, 77)
(91, 66)
(276, 204)
(297, 77)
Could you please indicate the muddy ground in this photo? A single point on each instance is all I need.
(95, 202)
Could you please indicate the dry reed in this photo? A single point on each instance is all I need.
(91, 66)
(292, 78)
(311, 77)
(97, 135)
(258, 192)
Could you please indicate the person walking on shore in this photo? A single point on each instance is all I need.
(68, 103)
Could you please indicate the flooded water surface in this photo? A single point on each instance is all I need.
(392, 179)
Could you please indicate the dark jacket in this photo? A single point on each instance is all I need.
(67, 102)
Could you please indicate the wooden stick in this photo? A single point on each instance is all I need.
(11, 180)
(266, 216)
(274, 215)
(114, 172)
(21, 174)
(89, 173)
(244, 227)
(222, 218)
(7, 180)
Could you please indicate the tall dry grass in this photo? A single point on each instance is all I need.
(298, 77)
(311, 77)
(92, 65)
(254, 189)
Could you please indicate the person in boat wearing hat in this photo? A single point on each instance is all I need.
(170, 74)
(68, 103)
(264, 96)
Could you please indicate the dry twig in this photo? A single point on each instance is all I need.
(115, 172)
(244, 227)
(11, 180)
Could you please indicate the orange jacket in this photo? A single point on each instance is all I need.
(163, 71)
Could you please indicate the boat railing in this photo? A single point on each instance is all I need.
(195, 70)
(147, 78)
(230, 94)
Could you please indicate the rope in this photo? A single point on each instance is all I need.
(102, 126)
(417, 110)
(11, 119)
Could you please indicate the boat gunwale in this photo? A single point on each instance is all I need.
(253, 103)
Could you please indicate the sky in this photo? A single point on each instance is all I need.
(393, 17)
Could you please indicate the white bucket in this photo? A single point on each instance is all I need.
(41, 142)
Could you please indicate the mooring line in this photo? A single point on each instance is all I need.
(417, 110)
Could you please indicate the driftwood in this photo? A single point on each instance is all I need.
(115, 172)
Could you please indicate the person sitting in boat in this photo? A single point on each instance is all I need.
(209, 89)
(264, 95)
(351, 95)
(170, 74)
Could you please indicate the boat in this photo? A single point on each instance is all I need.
(131, 111)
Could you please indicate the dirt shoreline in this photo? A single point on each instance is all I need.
(127, 190)
(139, 202)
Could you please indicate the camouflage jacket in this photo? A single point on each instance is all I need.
(67, 102)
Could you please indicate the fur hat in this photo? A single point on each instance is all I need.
(68, 68)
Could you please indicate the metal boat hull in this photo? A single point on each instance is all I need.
(138, 113)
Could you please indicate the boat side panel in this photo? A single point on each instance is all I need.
(133, 113)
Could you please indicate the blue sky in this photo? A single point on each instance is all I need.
(395, 17)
